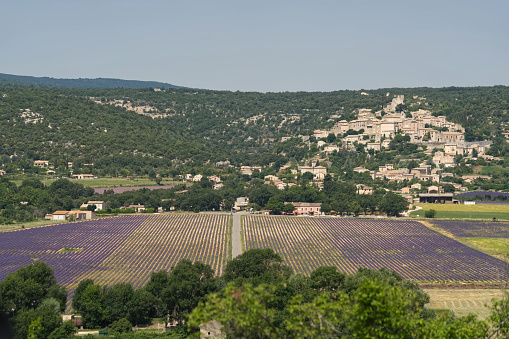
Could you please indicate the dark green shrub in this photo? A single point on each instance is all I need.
(430, 214)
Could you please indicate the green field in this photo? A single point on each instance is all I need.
(458, 211)
(498, 247)
(110, 182)
(21, 225)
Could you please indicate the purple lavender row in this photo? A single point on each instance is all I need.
(407, 247)
(473, 194)
(101, 190)
(97, 239)
(474, 229)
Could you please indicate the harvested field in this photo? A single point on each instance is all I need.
(463, 302)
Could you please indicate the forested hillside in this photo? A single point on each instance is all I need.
(201, 126)
(81, 83)
(238, 116)
(44, 124)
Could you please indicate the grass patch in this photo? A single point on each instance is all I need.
(464, 215)
(493, 246)
(465, 208)
(36, 223)
(70, 249)
(458, 211)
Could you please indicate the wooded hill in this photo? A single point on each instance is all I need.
(81, 83)
(66, 124)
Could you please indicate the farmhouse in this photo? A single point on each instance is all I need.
(313, 169)
(241, 202)
(215, 179)
(99, 205)
(362, 189)
(138, 208)
(309, 208)
(360, 170)
(82, 176)
(59, 215)
(405, 190)
(271, 178)
(81, 215)
(416, 186)
(41, 163)
(66, 215)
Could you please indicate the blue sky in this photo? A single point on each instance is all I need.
(261, 45)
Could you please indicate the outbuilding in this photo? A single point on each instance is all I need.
(437, 198)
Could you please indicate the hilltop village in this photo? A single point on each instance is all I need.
(435, 136)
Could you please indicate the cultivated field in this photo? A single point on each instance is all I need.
(36, 223)
(459, 211)
(474, 229)
(407, 247)
(108, 182)
(464, 302)
(118, 249)
(489, 237)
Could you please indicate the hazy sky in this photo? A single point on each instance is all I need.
(261, 45)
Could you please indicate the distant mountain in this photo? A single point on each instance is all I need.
(80, 83)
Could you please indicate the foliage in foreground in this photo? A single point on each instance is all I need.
(258, 297)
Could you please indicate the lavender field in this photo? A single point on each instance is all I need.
(471, 229)
(407, 247)
(118, 249)
(473, 194)
(123, 189)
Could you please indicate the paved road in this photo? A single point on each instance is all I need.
(236, 243)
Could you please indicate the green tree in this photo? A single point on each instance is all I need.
(29, 286)
(121, 325)
(155, 286)
(117, 299)
(66, 331)
(275, 205)
(244, 312)
(38, 323)
(354, 207)
(288, 208)
(186, 286)
(393, 204)
(430, 213)
(92, 307)
(257, 266)
(77, 299)
(327, 279)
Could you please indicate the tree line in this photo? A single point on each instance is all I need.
(33, 200)
(256, 297)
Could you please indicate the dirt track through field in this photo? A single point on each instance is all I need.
(236, 243)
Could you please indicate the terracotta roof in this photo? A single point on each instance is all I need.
(306, 204)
